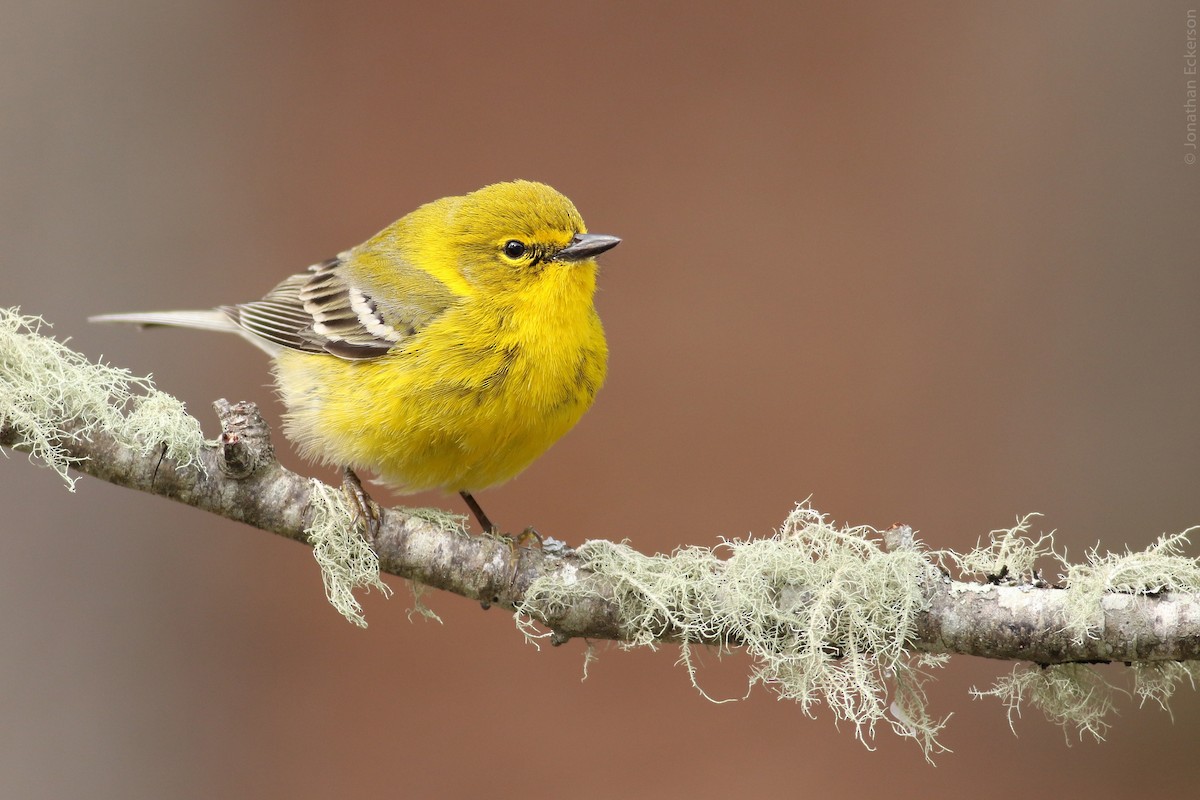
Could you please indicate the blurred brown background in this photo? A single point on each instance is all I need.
(934, 264)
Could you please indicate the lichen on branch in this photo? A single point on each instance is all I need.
(50, 394)
(824, 612)
(845, 616)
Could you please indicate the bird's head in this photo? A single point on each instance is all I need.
(506, 237)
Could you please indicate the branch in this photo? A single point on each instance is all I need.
(827, 613)
(240, 479)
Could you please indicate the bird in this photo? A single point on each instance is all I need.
(448, 351)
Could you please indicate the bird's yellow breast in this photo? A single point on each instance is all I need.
(467, 402)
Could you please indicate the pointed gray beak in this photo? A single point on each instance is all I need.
(586, 245)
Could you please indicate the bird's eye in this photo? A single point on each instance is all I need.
(514, 249)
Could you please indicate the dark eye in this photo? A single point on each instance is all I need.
(514, 249)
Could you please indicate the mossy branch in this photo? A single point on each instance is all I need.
(848, 616)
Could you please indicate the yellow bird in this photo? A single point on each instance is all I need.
(448, 351)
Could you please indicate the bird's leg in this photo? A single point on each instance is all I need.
(366, 511)
(526, 538)
(477, 510)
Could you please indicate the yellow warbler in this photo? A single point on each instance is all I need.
(448, 351)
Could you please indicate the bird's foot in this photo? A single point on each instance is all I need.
(366, 511)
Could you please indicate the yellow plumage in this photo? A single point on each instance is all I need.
(448, 351)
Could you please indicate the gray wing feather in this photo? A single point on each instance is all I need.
(319, 312)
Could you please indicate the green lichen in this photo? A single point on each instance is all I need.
(1161, 567)
(1009, 557)
(419, 608)
(1157, 680)
(1073, 696)
(824, 613)
(347, 562)
(51, 394)
(440, 518)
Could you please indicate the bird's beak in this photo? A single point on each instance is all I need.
(586, 245)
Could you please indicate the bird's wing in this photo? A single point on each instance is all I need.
(325, 311)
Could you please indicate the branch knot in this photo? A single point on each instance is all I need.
(245, 439)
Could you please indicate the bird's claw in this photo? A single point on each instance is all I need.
(528, 538)
(366, 511)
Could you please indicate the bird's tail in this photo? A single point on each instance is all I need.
(211, 320)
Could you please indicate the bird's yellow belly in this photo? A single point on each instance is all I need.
(443, 412)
